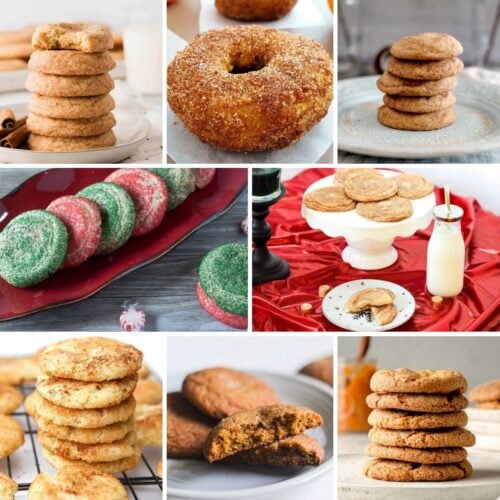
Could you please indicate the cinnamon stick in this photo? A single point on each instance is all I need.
(19, 123)
(7, 119)
(15, 138)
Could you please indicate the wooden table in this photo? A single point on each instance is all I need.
(165, 289)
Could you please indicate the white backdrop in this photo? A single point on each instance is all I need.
(478, 181)
(115, 13)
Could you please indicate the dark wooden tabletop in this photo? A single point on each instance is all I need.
(165, 289)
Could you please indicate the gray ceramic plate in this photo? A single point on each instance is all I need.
(199, 480)
(477, 128)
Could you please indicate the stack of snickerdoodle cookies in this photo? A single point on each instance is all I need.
(232, 417)
(418, 82)
(84, 403)
(70, 109)
(418, 426)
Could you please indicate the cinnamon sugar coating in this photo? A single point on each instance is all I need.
(250, 88)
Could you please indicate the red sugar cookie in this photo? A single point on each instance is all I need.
(204, 176)
(82, 219)
(149, 194)
(234, 320)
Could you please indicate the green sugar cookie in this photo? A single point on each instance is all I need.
(33, 246)
(117, 214)
(181, 182)
(223, 276)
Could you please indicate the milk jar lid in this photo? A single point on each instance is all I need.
(454, 214)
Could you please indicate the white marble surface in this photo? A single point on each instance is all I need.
(484, 484)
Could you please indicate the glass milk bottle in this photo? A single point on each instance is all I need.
(446, 253)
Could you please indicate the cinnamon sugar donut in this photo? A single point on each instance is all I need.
(255, 10)
(250, 88)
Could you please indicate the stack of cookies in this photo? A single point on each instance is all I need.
(70, 109)
(232, 417)
(418, 82)
(484, 419)
(372, 194)
(84, 404)
(418, 426)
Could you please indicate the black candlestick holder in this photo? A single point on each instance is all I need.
(266, 266)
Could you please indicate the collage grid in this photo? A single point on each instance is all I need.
(258, 380)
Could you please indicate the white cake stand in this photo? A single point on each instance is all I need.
(369, 243)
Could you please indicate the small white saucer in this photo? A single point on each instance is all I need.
(335, 300)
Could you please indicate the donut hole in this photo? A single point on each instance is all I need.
(247, 63)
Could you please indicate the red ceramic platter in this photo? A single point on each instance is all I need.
(72, 285)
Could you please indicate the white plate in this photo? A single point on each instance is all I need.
(197, 479)
(131, 130)
(484, 484)
(334, 302)
(477, 128)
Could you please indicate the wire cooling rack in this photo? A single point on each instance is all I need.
(27, 461)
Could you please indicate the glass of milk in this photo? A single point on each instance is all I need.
(446, 253)
(142, 45)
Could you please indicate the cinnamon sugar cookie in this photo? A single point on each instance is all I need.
(395, 85)
(91, 359)
(148, 392)
(16, 51)
(413, 186)
(11, 435)
(99, 435)
(187, 428)
(425, 70)
(419, 381)
(78, 394)
(416, 121)
(12, 64)
(124, 464)
(391, 210)
(86, 419)
(329, 199)
(41, 143)
(10, 399)
(342, 175)
(370, 188)
(367, 298)
(80, 127)
(109, 452)
(429, 438)
(427, 47)
(73, 36)
(149, 429)
(405, 420)
(417, 455)
(71, 107)
(489, 405)
(420, 104)
(8, 487)
(384, 314)
(16, 371)
(69, 86)
(428, 403)
(77, 481)
(221, 392)
(70, 62)
(489, 391)
(259, 427)
(393, 470)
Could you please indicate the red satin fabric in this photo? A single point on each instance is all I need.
(315, 259)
